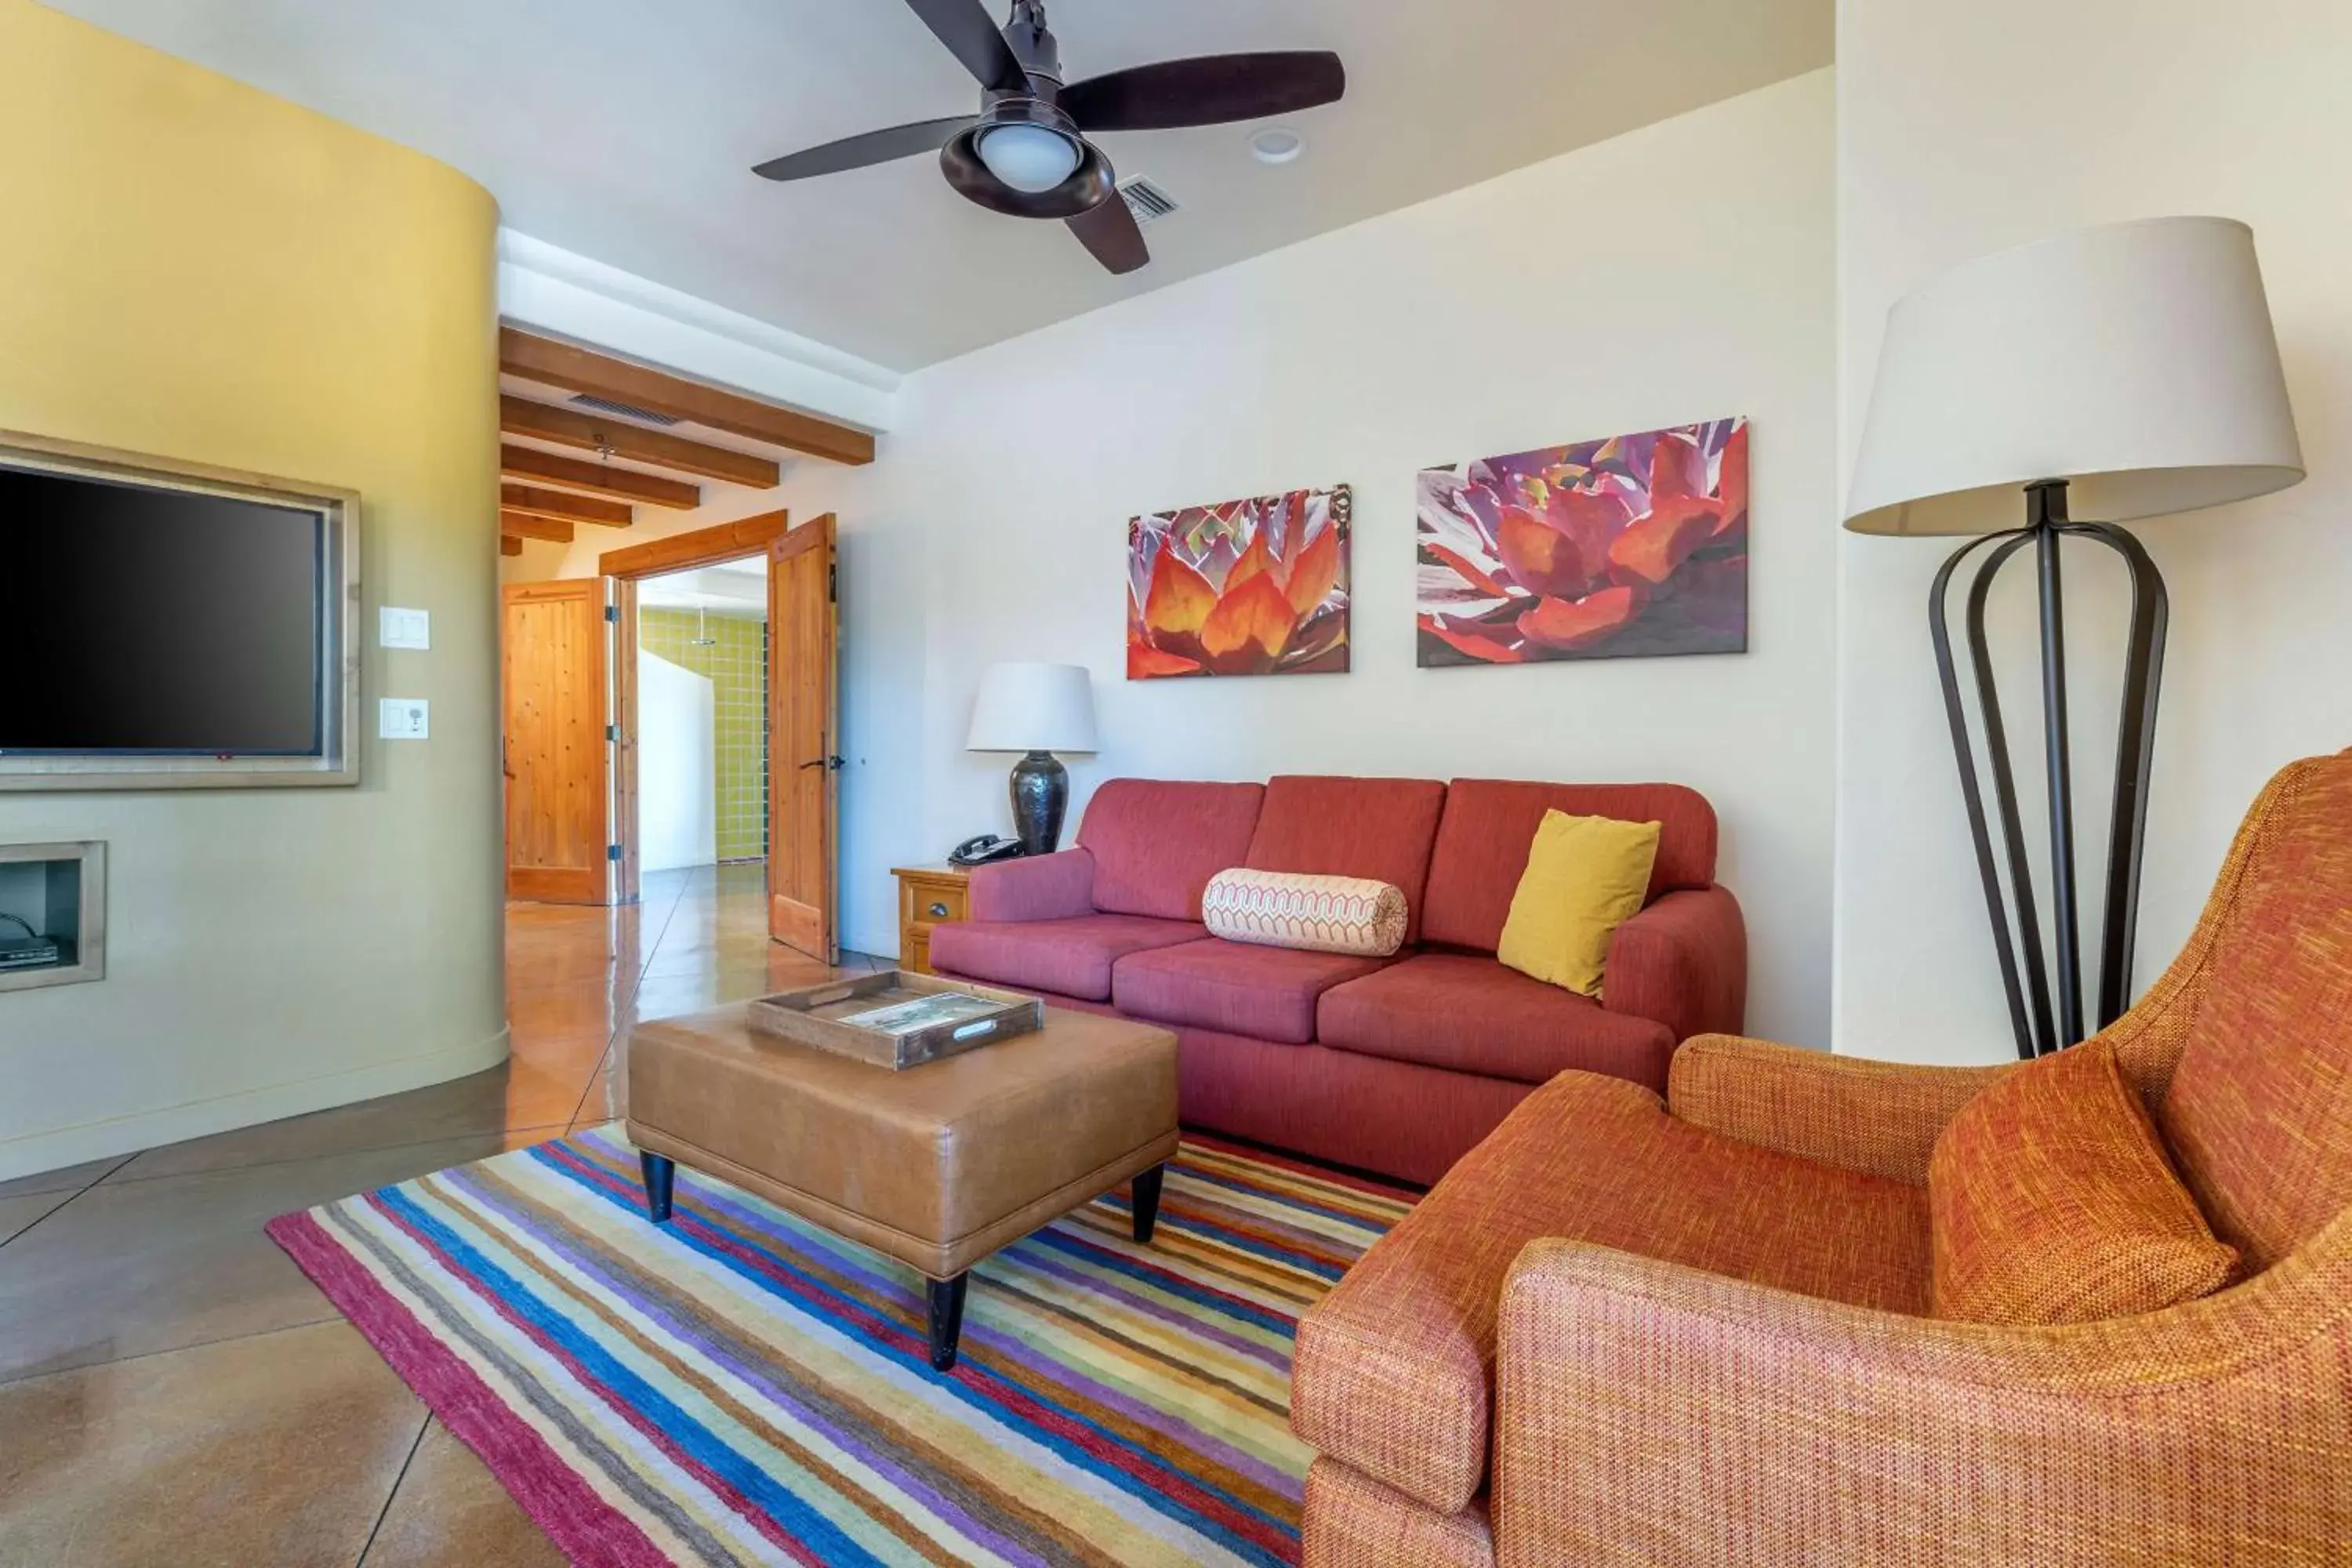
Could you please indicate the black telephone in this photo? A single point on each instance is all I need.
(983, 850)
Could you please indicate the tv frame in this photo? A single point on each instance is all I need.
(337, 761)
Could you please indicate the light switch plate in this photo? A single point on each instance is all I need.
(403, 628)
(402, 718)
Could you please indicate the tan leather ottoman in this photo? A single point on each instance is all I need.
(937, 1165)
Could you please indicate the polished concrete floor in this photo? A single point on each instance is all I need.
(174, 1391)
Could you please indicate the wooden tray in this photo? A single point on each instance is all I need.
(820, 1015)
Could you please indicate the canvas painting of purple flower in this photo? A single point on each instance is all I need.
(1628, 547)
(1249, 587)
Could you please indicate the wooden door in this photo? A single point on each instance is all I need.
(555, 688)
(628, 870)
(804, 794)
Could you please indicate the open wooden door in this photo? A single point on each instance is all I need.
(803, 782)
(555, 686)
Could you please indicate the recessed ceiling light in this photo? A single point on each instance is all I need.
(1276, 144)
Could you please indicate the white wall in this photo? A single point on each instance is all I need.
(1964, 130)
(1681, 272)
(677, 813)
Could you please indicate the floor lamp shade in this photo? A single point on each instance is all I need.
(2119, 373)
(2135, 360)
(1037, 710)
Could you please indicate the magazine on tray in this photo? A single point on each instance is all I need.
(922, 1013)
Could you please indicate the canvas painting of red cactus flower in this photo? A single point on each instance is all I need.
(1250, 587)
(1632, 546)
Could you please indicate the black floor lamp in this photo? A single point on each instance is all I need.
(2123, 372)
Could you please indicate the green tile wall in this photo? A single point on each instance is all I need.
(737, 667)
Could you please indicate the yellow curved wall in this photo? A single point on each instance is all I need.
(194, 269)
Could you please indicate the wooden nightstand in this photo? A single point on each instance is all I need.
(928, 895)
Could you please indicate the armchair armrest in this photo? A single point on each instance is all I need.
(1054, 886)
(1879, 1117)
(1683, 961)
(1654, 1414)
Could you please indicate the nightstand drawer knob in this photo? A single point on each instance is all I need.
(938, 912)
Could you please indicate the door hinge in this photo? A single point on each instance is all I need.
(613, 733)
(612, 852)
(613, 614)
(832, 583)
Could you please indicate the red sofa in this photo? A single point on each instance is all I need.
(1397, 1065)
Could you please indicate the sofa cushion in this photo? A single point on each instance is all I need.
(1466, 1012)
(1378, 828)
(1315, 914)
(1586, 876)
(1267, 992)
(1156, 843)
(2049, 1201)
(1489, 824)
(1394, 1368)
(1071, 956)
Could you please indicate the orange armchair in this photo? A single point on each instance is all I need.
(1696, 1331)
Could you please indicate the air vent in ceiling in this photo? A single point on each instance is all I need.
(625, 410)
(1147, 201)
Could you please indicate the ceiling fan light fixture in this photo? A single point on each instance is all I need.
(1087, 178)
(1029, 158)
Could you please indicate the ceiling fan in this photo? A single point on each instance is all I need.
(1026, 152)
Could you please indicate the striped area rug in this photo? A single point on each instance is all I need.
(741, 1387)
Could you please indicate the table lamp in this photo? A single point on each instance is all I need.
(1037, 708)
(2123, 372)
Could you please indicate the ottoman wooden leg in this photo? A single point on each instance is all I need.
(1147, 1202)
(660, 1172)
(947, 1321)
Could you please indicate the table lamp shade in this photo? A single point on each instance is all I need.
(1034, 708)
(2135, 360)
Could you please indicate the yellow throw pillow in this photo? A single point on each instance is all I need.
(1586, 876)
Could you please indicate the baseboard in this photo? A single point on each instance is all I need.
(31, 1153)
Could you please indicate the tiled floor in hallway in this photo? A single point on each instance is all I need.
(174, 1391)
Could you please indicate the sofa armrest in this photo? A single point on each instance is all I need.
(1683, 962)
(1878, 1118)
(1054, 886)
(1654, 1414)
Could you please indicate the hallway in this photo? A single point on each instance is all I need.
(172, 1389)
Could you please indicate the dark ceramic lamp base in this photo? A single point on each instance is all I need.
(1041, 794)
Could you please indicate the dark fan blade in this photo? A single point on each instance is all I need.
(861, 152)
(1108, 230)
(1215, 89)
(965, 28)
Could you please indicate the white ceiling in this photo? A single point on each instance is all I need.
(626, 131)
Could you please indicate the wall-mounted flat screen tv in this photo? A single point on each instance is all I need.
(171, 628)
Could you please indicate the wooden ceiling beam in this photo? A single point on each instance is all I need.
(552, 363)
(560, 504)
(597, 433)
(510, 545)
(598, 478)
(523, 525)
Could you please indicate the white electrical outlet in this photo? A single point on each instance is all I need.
(403, 628)
(402, 718)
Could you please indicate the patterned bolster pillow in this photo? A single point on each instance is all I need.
(1315, 914)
